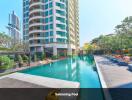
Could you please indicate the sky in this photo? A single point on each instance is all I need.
(96, 17)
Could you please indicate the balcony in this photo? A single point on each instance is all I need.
(35, 24)
(36, 10)
(36, 2)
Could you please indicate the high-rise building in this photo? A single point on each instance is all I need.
(51, 26)
(14, 28)
(25, 20)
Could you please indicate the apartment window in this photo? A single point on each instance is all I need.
(61, 26)
(60, 12)
(45, 1)
(60, 40)
(46, 20)
(46, 34)
(46, 13)
(51, 12)
(46, 27)
(46, 41)
(61, 33)
(46, 6)
(61, 19)
(62, 1)
(51, 33)
(51, 40)
(51, 26)
(50, 5)
(62, 6)
(51, 19)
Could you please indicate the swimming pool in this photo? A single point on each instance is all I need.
(77, 69)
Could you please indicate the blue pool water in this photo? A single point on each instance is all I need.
(78, 69)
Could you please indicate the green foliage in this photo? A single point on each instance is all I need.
(5, 62)
(35, 57)
(20, 60)
(43, 56)
(55, 57)
(130, 50)
(25, 58)
(118, 41)
(5, 40)
(88, 48)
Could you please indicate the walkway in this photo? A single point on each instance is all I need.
(117, 79)
(20, 78)
(115, 76)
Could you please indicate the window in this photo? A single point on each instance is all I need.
(60, 12)
(51, 33)
(51, 26)
(45, 1)
(51, 40)
(61, 19)
(46, 27)
(51, 12)
(61, 26)
(50, 5)
(51, 19)
(46, 34)
(46, 13)
(46, 41)
(62, 6)
(60, 40)
(61, 33)
(46, 6)
(46, 20)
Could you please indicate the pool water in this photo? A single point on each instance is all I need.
(77, 69)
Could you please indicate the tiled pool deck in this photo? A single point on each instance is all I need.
(115, 76)
(32, 81)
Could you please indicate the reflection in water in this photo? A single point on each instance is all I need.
(79, 69)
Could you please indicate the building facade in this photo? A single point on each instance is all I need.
(52, 26)
(14, 28)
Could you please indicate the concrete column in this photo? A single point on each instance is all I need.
(55, 51)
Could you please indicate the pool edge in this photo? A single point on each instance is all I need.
(106, 93)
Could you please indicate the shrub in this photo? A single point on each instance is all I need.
(5, 62)
(43, 56)
(35, 57)
(54, 57)
(20, 60)
(25, 58)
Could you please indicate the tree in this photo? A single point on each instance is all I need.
(88, 48)
(118, 41)
(6, 62)
(5, 40)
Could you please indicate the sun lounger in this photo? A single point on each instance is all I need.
(130, 67)
(122, 63)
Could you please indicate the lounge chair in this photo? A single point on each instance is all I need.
(130, 67)
(122, 63)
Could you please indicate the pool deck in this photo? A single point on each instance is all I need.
(114, 75)
(33, 80)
